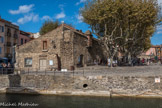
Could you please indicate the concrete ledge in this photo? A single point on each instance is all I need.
(22, 90)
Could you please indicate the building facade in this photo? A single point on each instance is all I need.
(35, 35)
(24, 37)
(2, 37)
(62, 48)
(9, 39)
(152, 53)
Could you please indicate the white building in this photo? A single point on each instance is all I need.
(35, 35)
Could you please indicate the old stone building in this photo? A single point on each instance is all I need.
(62, 48)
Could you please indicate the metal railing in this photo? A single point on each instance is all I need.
(15, 36)
(6, 71)
(34, 71)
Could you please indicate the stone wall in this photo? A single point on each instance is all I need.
(64, 46)
(90, 85)
(66, 50)
(34, 50)
(95, 52)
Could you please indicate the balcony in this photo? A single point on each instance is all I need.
(8, 34)
(8, 44)
(15, 36)
(8, 55)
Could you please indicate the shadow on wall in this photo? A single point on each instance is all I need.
(14, 80)
(59, 62)
(15, 86)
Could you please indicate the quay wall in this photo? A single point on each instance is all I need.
(136, 86)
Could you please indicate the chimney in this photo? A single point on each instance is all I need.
(89, 36)
(80, 31)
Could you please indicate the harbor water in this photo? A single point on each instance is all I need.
(51, 101)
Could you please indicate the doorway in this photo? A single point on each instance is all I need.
(80, 61)
(42, 64)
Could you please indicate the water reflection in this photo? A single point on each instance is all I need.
(50, 101)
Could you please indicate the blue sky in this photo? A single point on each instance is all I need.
(30, 14)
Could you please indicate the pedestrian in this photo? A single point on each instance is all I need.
(4, 65)
(9, 65)
(148, 61)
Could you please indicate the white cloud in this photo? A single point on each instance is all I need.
(80, 18)
(60, 15)
(22, 9)
(46, 17)
(27, 18)
(35, 18)
(159, 29)
(81, 1)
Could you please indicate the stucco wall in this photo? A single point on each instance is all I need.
(2, 35)
(24, 37)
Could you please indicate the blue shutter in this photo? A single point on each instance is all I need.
(2, 39)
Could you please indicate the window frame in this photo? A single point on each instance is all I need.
(22, 41)
(25, 63)
(2, 39)
(45, 47)
(2, 28)
(25, 40)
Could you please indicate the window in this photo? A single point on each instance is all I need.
(44, 45)
(28, 62)
(50, 62)
(2, 39)
(0, 50)
(2, 29)
(25, 40)
(9, 30)
(22, 41)
(8, 50)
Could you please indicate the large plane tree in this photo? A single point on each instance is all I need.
(122, 25)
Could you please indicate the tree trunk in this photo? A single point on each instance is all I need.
(129, 59)
(111, 62)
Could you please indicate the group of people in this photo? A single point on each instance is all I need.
(119, 62)
(4, 65)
